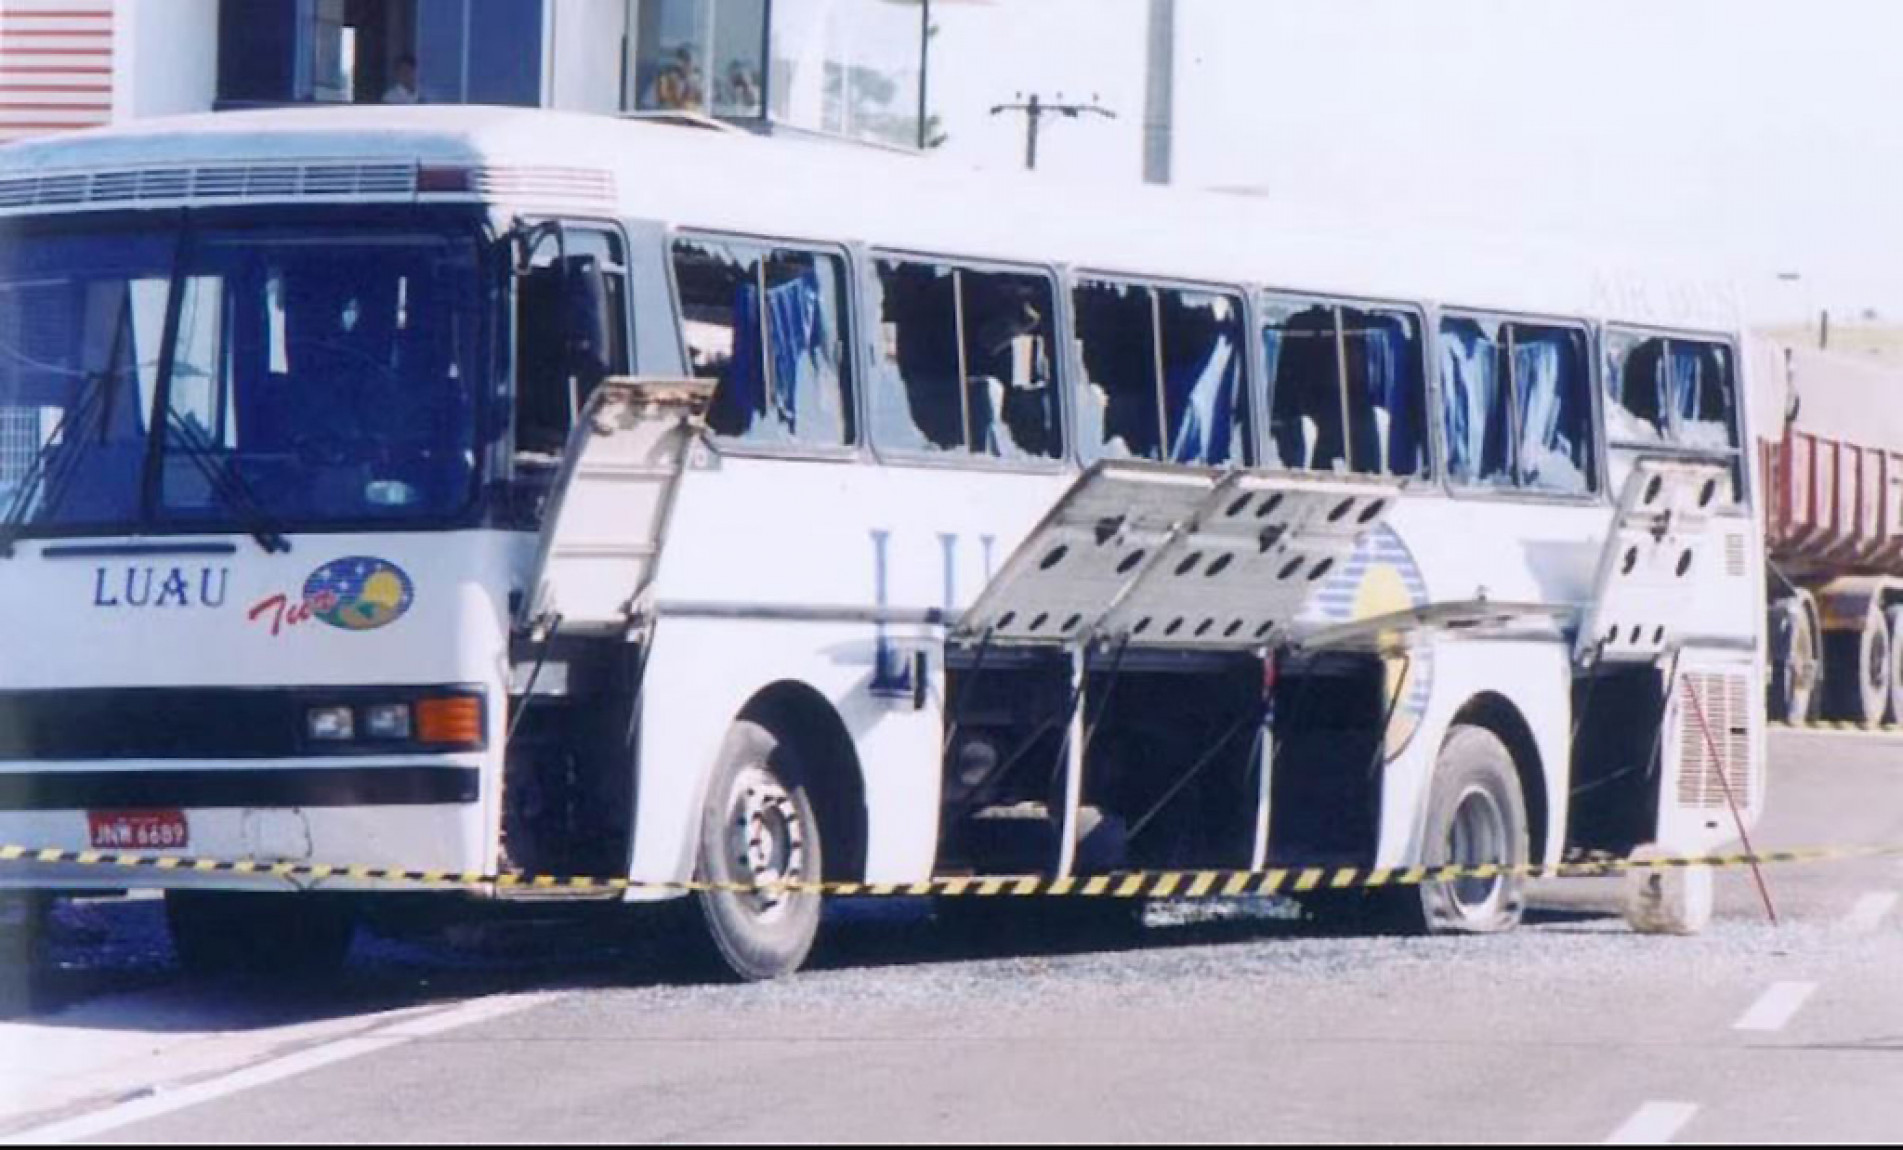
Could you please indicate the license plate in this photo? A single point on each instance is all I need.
(138, 830)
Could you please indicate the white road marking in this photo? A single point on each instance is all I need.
(277, 1069)
(1775, 1006)
(1870, 910)
(1653, 1123)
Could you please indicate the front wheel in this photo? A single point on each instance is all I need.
(1476, 817)
(758, 830)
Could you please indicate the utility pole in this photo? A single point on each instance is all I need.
(1159, 95)
(1035, 109)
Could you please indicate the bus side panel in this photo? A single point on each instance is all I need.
(701, 674)
(1536, 679)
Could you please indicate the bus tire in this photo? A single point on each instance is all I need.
(246, 932)
(758, 826)
(1475, 815)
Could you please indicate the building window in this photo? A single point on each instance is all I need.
(380, 51)
(845, 67)
(701, 56)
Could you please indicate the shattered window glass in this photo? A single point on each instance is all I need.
(1553, 400)
(1474, 385)
(1118, 411)
(766, 322)
(965, 362)
(1163, 374)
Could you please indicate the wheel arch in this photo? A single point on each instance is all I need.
(1496, 713)
(799, 714)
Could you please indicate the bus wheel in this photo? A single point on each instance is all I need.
(758, 829)
(1475, 817)
(244, 932)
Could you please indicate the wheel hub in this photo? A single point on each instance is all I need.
(1478, 837)
(765, 839)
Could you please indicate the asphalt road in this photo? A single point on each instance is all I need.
(1228, 1022)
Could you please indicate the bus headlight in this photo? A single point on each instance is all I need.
(330, 724)
(386, 721)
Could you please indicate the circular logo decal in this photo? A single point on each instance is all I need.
(359, 593)
(1381, 578)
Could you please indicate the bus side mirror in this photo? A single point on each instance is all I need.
(589, 313)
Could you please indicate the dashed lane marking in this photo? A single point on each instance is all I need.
(1869, 911)
(1653, 1123)
(277, 1069)
(1775, 1007)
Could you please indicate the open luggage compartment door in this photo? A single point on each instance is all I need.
(608, 510)
(1168, 558)
(1661, 541)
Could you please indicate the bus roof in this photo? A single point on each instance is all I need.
(802, 187)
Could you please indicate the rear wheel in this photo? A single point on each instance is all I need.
(243, 932)
(1476, 817)
(758, 829)
(1857, 674)
(1894, 617)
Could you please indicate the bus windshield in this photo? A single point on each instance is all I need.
(206, 376)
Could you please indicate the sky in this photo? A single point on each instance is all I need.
(1754, 140)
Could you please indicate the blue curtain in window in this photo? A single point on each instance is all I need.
(1552, 443)
(1285, 445)
(796, 325)
(1205, 432)
(1394, 386)
(1476, 407)
(1701, 396)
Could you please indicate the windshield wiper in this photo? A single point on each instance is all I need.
(54, 464)
(229, 486)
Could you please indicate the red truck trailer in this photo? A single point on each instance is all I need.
(1830, 453)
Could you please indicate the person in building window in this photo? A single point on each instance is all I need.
(677, 86)
(403, 90)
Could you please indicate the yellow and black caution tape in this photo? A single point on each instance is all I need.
(1126, 884)
(1837, 725)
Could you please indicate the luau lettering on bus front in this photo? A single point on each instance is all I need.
(146, 587)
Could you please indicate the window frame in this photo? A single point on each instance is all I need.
(1515, 491)
(851, 308)
(608, 224)
(1060, 328)
(1429, 365)
(1250, 361)
(1738, 456)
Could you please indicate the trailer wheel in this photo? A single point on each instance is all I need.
(1894, 617)
(1857, 670)
(1475, 816)
(245, 932)
(1794, 675)
(757, 829)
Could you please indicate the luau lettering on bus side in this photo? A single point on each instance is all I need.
(893, 664)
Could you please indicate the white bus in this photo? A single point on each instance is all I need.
(480, 490)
